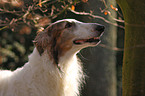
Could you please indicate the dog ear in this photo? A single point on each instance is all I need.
(41, 42)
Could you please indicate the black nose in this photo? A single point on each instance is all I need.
(100, 28)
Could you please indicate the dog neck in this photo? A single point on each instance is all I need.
(65, 82)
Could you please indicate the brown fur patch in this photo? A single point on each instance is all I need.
(61, 42)
(41, 42)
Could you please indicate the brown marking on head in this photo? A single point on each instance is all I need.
(56, 39)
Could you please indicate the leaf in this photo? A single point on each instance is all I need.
(40, 3)
(105, 13)
(73, 7)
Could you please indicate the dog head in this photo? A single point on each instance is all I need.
(68, 35)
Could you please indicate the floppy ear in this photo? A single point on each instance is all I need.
(41, 41)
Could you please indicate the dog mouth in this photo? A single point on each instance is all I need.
(90, 40)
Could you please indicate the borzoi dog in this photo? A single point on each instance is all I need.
(53, 68)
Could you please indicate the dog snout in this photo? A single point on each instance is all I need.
(100, 28)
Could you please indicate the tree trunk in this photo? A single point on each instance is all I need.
(134, 54)
(100, 62)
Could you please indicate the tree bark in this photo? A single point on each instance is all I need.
(134, 54)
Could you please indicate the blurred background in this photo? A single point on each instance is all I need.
(21, 20)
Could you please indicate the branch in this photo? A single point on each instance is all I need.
(23, 17)
(95, 16)
(12, 12)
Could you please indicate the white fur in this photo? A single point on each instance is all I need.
(41, 77)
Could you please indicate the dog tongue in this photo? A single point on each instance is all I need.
(81, 41)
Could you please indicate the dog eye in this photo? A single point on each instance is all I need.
(68, 25)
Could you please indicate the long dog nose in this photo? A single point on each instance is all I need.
(100, 28)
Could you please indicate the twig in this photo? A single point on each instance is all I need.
(122, 49)
(4, 27)
(112, 48)
(27, 12)
(122, 21)
(64, 9)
